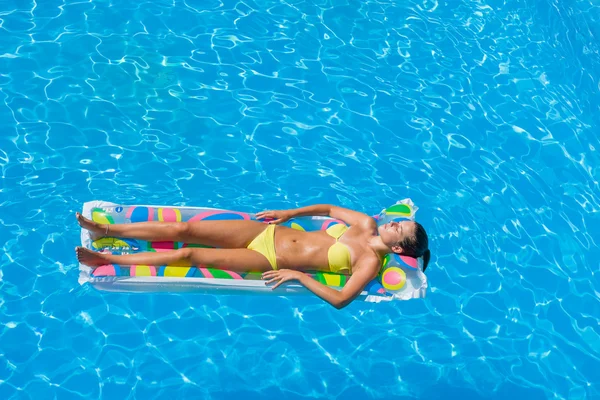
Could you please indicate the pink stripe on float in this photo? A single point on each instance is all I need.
(329, 222)
(104, 270)
(411, 261)
(129, 212)
(234, 275)
(206, 273)
(163, 245)
(168, 215)
(150, 213)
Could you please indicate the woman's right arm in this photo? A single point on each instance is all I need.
(350, 217)
(366, 272)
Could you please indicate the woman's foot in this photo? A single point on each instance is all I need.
(90, 258)
(96, 230)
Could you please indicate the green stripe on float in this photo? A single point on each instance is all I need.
(219, 273)
(332, 279)
(343, 280)
(99, 216)
(320, 277)
(402, 209)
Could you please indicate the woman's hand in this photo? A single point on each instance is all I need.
(278, 216)
(280, 276)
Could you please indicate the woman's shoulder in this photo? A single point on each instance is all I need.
(366, 225)
(366, 259)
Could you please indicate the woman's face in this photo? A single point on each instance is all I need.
(394, 232)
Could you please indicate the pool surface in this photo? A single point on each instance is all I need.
(484, 113)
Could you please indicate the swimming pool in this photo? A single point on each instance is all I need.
(483, 112)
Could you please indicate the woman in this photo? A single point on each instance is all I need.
(281, 253)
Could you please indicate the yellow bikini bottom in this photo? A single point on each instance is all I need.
(338, 254)
(264, 243)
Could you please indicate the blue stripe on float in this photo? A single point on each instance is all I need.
(223, 216)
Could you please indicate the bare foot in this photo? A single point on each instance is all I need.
(90, 258)
(96, 230)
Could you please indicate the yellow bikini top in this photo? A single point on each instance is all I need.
(338, 254)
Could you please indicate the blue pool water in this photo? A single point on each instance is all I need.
(485, 113)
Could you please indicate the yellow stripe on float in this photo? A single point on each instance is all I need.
(100, 218)
(176, 271)
(181, 263)
(296, 226)
(142, 270)
(333, 279)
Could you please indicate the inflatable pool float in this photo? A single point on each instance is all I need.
(401, 278)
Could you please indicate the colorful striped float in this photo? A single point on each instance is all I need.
(401, 277)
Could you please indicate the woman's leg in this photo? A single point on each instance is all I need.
(239, 260)
(224, 234)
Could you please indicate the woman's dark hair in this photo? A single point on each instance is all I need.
(417, 245)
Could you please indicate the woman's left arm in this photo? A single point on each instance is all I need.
(337, 298)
